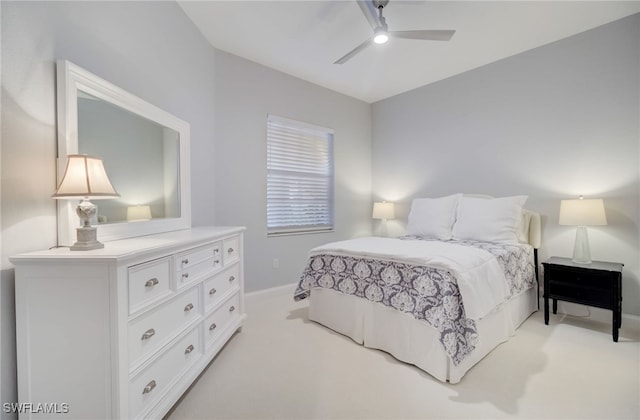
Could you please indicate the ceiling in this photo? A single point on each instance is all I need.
(303, 38)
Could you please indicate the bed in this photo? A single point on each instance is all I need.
(441, 297)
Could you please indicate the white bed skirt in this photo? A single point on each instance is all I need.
(409, 340)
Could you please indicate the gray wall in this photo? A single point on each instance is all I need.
(128, 44)
(245, 94)
(553, 123)
(152, 50)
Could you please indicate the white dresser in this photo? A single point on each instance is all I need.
(122, 332)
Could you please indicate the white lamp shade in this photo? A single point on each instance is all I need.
(383, 210)
(138, 213)
(582, 212)
(85, 176)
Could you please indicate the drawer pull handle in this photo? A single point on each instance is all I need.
(212, 327)
(216, 251)
(148, 334)
(185, 275)
(230, 251)
(212, 291)
(185, 261)
(147, 389)
(151, 282)
(188, 307)
(189, 349)
(232, 278)
(216, 262)
(231, 309)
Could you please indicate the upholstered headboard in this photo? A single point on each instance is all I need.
(534, 234)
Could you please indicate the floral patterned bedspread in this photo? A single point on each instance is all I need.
(427, 293)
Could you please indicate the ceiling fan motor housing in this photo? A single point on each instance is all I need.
(380, 3)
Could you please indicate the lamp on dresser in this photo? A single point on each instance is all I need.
(85, 178)
(582, 213)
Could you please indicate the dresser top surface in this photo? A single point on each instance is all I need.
(133, 247)
(594, 265)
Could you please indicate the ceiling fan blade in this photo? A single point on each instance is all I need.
(430, 35)
(370, 12)
(353, 52)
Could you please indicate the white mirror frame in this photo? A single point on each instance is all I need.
(70, 80)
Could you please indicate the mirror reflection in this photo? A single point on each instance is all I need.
(140, 156)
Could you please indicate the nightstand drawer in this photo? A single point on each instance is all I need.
(581, 294)
(593, 279)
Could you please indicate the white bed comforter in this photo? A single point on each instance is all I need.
(481, 282)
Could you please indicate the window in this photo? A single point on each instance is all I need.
(299, 177)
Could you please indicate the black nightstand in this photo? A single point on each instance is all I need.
(597, 284)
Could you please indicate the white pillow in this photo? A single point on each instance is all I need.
(489, 220)
(433, 217)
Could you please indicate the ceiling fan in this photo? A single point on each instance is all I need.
(372, 10)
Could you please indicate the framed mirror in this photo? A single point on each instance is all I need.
(145, 151)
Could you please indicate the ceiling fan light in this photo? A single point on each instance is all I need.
(380, 36)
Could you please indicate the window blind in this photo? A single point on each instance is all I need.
(299, 177)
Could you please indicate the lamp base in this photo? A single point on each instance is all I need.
(87, 239)
(581, 252)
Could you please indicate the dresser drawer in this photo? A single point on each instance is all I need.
(195, 256)
(196, 272)
(217, 286)
(152, 330)
(221, 318)
(150, 385)
(231, 250)
(148, 282)
(194, 264)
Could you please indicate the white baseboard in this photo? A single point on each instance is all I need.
(590, 312)
(273, 291)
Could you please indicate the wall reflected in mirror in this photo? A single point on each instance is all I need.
(140, 156)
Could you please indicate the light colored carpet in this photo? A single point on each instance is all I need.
(283, 366)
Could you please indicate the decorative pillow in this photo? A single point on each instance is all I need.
(433, 217)
(489, 220)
